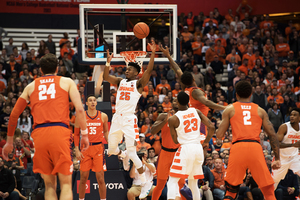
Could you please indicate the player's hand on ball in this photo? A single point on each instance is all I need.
(276, 164)
(109, 56)
(84, 143)
(164, 50)
(7, 148)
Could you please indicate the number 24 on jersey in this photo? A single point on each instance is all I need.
(44, 92)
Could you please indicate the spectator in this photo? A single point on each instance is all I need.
(284, 108)
(207, 183)
(217, 147)
(64, 40)
(3, 34)
(24, 123)
(79, 69)
(4, 118)
(236, 23)
(229, 16)
(266, 24)
(275, 116)
(22, 151)
(197, 50)
(218, 68)
(63, 72)
(186, 34)
(142, 145)
(51, 45)
(253, 59)
(211, 35)
(15, 165)
(292, 61)
(209, 27)
(162, 31)
(288, 188)
(264, 144)
(67, 62)
(219, 182)
(27, 143)
(220, 49)
(209, 162)
(210, 19)
(7, 183)
(209, 78)
(277, 97)
(282, 48)
(167, 105)
(255, 191)
(10, 46)
(198, 76)
(152, 158)
(3, 57)
(161, 71)
(244, 67)
(120, 73)
(233, 54)
(259, 97)
(67, 49)
(136, 187)
(24, 51)
(42, 48)
(177, 88)
(210, 53)
(163, 84)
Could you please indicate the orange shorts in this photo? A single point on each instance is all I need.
(52, 150)
(165, 161)
(93, 159)
(247, 155)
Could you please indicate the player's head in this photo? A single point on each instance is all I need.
(48, 63)
(243, 89)
(132, 70)
(187, 78)
(91, 101)
(183, 98)
(295, 116)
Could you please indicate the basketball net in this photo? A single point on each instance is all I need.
(134, 56)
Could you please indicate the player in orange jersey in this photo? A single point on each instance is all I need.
(246, 120)
(167, 152)
(198, 97)
(49, 100)
(93, 158)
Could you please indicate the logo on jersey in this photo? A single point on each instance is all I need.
(132, 84)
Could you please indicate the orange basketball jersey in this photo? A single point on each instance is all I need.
(245, 123)
(194, 103)
(49, 102)
(95, 127)
(166, 138)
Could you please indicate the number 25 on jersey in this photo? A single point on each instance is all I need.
(125, 96)
(44, 92)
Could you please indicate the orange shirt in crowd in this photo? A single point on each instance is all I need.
(186, 36)
(198, 33)
(167, 106)
(266, 24)
(253, 58)
(215, 22)
(280, 83)
(67, 50)
(144, 128)
(175, 92)
(279, 99)
(145, 145)
(2, 86)
(63, 40)
(288, 31)
(226, 145)
(228, 18)
(237, 58)
(209, 55)
(246, 56)
(283, 49)
(220, 51)
(244, 69)
(18, 59)
(242, 49)
(160, 86)
(197, 51)
(223, 42)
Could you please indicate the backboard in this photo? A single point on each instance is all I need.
(109, 26)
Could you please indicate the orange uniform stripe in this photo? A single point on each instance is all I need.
(176, 167)
(136, 130)
(177, 154)
(176, 160)
(199, 176)
(137, 136)
(178, 175)
(135, 126)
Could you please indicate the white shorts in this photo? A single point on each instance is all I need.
(286, 163)
(187, 162)
(128, 125)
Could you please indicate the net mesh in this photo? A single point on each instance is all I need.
(134, 56)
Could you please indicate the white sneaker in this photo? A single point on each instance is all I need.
(126, 162)
(145, 190)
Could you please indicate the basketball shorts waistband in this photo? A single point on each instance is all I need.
(245, 141)
(94, 143)
(168, 150)
(51, 124)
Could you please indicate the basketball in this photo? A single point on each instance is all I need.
(141, 30)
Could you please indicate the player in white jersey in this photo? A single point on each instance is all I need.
(124, 122)
(289, 137)
(188, 160)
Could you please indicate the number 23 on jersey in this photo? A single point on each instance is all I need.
(190, 124)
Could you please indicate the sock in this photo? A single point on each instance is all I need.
(103, 199)
(268, 192)
(143, 177)
(81, 199)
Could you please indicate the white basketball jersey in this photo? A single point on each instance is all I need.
(188, 131)
(290, 137)
(127, 97)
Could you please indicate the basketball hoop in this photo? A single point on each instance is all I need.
(134, 56)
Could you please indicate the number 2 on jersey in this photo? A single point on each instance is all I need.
(125, 96)
(44, 91)
(187, 125)
(247, 117)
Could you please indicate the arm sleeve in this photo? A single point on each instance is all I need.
(16, 112)
(76, 136)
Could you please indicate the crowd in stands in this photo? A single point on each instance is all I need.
(247, 47)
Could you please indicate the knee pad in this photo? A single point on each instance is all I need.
(232, 189)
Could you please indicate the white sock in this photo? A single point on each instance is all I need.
(143, 177)
(103, 199)
(81, 199)
(123, 154)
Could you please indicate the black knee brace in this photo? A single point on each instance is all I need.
(232, 189)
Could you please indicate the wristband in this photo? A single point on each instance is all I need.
(293, 188)
(84, 132)
(107, 64)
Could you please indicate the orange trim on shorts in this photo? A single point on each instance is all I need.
(177, 154)
(136, 130)
(199, 176)
(176, 160)
(178, 175)
(137, 136)
(176, 167)
(135, 126)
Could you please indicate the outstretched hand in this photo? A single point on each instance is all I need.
(109, 56)
(152, 46)
(165, 50)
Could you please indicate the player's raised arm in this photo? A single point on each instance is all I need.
(105, 125)
(210, 126)
(225, 122)
(173, 64)
(173, 123)
(198, 95)
(80, 115)
(161, 120)
(111, 79)
(146, 76)
(269, 129)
